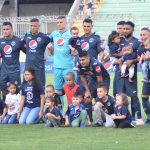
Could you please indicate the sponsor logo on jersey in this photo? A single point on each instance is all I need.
(33, 44)
(85, 46)
(60, 42)
(7, 49)
(98, 69)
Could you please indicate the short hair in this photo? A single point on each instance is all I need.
(78, 94)
(124, 98)
(145, 28)
(72, 74)
(61, 17)
(50, 86)
(102, 85)
(88, 20)
(50, 98)
(74, 28)
(112, 36)
(130, 23)
(121, 23)
(7, 24)
(34, 20)
(83, 54)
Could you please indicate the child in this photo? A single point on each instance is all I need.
(76, 114)
(50, 92)
(146, 63)
(70, 88)
(114, 47)
(103, 108)
(51, 116)
(12, 101)
(3, 110)
(121, 116)
(32, 101)
(74, 43)
(128, 54)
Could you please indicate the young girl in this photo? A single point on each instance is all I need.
(114, 47)
(50, 92)
(32, 100)
(51, 117)
(12, 101)
(121, 116)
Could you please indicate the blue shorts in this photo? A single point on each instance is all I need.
(40, 74)
(92, 84)
(123, 85)
(59, 77)
(146, 89)
(9, 77)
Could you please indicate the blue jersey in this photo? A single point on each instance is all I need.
(32, 100)
(94, 69)
(35, 49)
(141, 49)
(108, 105)
(91, 44)
(53, 111)
(10, 51)
(123, 111)
(114, 49)
(62, 53)
(131, 56)
(74, 113)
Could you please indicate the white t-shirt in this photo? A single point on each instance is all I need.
(13, 100)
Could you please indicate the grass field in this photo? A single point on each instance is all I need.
(37, 137)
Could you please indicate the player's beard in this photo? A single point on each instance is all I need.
(127, 36)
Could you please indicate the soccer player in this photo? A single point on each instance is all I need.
(91, 42)
(120, 28)
(36, 43)
(10, 47)
(63, 60)
(91, 73)
(144, 35)
(123, 84)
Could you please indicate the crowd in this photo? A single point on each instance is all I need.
(78, 73)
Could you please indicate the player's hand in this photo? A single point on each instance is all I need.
(99, 104)
(146, 57)
(40, 114)
(74, 52)
(113, 116)
(18, 115)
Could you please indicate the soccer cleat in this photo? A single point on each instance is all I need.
(132, 125)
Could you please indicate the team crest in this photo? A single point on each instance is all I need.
(39, 39)
(91, 40)
(13, 43)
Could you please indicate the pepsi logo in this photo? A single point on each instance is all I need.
(7, 49)
(98, 69)
(85, 46)
(33, 44)
(60, 42)
(108, 66)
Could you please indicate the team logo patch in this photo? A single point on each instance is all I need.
(7, 49)
(91, 40)
(85, 46)
(13, 43)
(98, 69)
(39, 39)
(60, 42)
(33, 44)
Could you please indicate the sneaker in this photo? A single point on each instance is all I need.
(139, 122)
(132, 125)
(147, 122)
(48, 123)
(97, 125)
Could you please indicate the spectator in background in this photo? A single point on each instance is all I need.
(81, 7)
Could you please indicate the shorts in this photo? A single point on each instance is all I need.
(123, 85)
(59, 77)
(146, 89)
(9, 77)
(40, 74)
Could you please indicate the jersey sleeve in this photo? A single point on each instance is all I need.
(99, 44)
(47, 40)
(41, 89)
(97, 69)
(22, 90)
(51, 37)
(124, 111)
(112, 49)
(68, 111)
(70, 41)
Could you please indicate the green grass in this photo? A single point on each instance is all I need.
(37, 137)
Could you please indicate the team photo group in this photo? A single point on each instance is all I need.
(79, 75)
